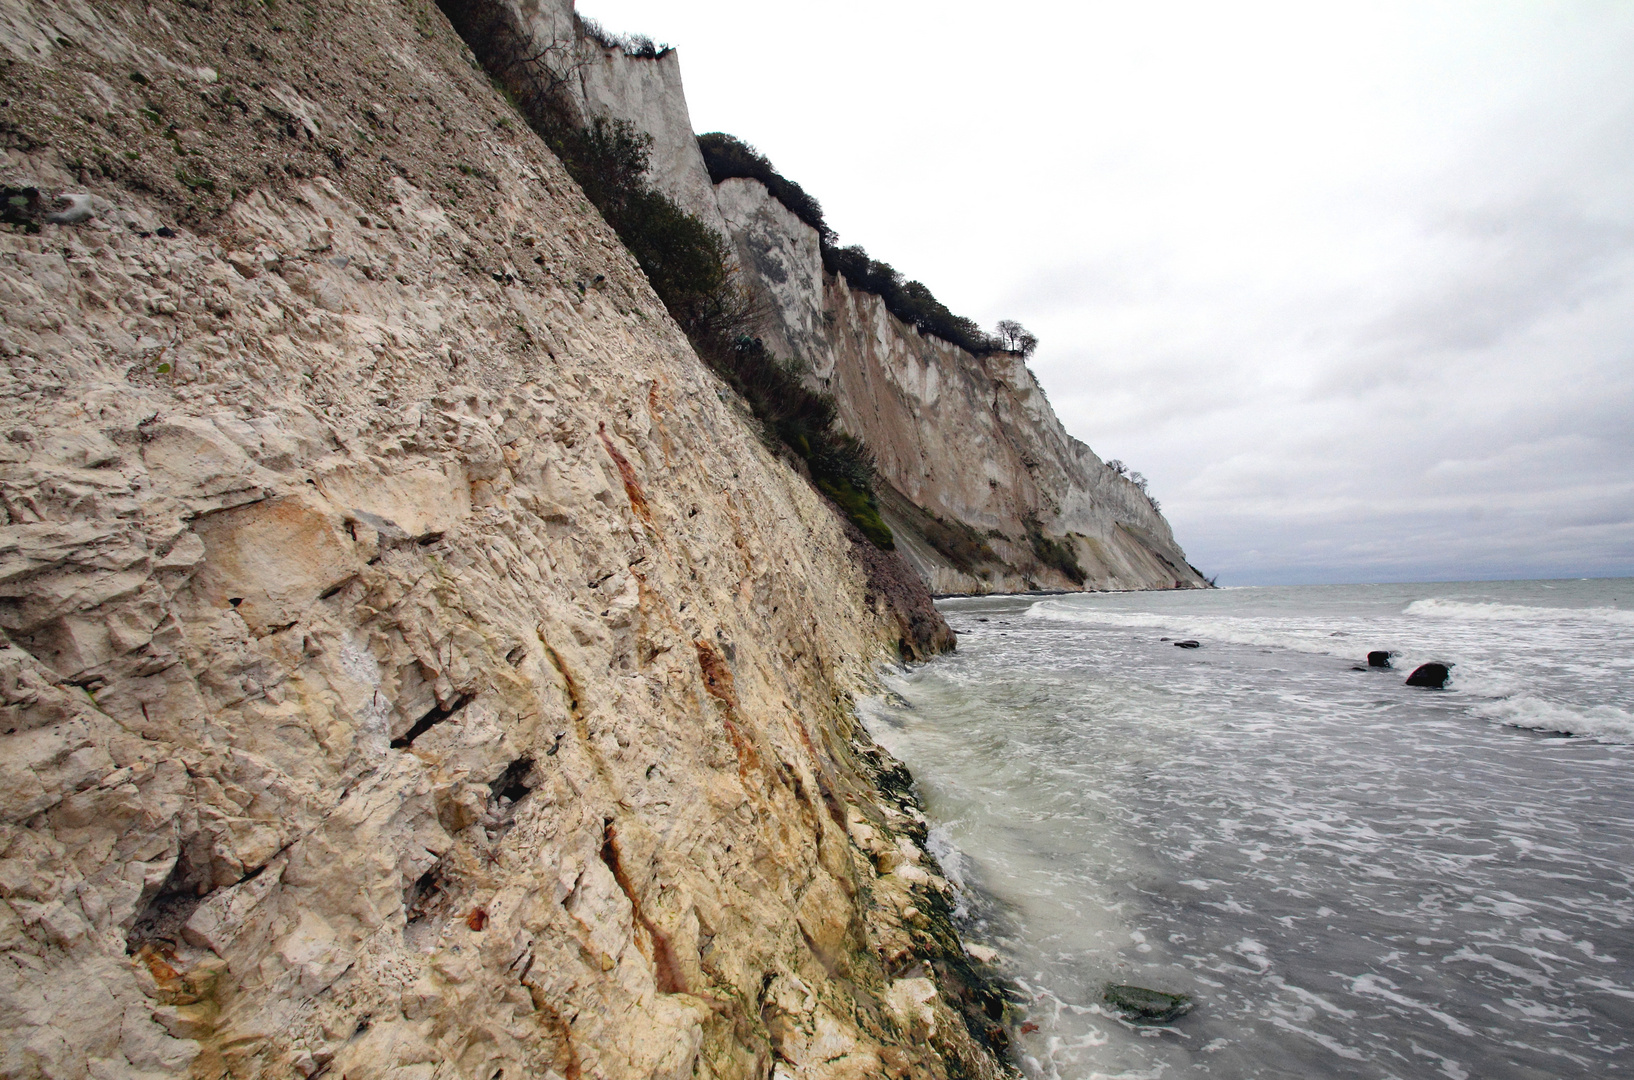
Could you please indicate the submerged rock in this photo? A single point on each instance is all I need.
(1140, 1005)
(982, 954)
(1188, 645)
(1379, 658)
(1432, 676)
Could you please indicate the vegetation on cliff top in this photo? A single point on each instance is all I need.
(728, 157)
(639, 46)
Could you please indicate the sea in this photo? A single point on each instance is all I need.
(1347, 876)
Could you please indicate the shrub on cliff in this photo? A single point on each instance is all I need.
(961, 545)
(863, 510)
(684, 259)
(1052, 552)
(727, 157)
(803, 419)
(639, 46)
(909, 301)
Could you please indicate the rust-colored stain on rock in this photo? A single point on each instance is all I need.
(632, 487)
(719, 685)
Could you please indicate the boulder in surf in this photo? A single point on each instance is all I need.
(1188, 645)
(1431, 676)
(1139, 1005)
(1378, 658)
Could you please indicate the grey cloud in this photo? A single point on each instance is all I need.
(1519, 264)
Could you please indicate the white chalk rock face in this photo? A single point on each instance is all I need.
(412, 662)
(973, 441)
(780, 256)
(966, 441)
(646, 91)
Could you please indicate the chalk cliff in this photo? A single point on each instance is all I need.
(983, 481)
(412, 662)
(599, 78)
(982, 476)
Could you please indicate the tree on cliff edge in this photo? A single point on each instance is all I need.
(1013, 337)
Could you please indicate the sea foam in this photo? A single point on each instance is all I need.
(1534, 666)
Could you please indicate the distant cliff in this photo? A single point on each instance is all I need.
(983, 476)
(983, 488)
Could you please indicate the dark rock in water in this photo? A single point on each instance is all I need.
(1432, 676)
(1187, 645)
(1142, 1006)
(1378, 658)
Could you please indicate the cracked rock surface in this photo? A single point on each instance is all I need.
(412, 663)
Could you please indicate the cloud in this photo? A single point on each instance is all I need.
(1505, 270)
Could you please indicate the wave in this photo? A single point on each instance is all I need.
(1301, 636)
(1606, 723)
(1484, 611)
(1495, 682)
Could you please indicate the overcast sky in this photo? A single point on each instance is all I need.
(1353, 284)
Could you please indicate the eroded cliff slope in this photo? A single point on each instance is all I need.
(984, 488)
(983, 479)
(413, 663)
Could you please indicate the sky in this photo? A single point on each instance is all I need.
(1351, 283)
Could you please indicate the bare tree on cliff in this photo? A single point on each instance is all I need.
(1013, 337)
(538, 73)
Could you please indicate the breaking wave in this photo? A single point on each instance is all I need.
(1606, 723)
(1527, 666)
(1294, 844)
(1486, 611)
(1302, 635)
